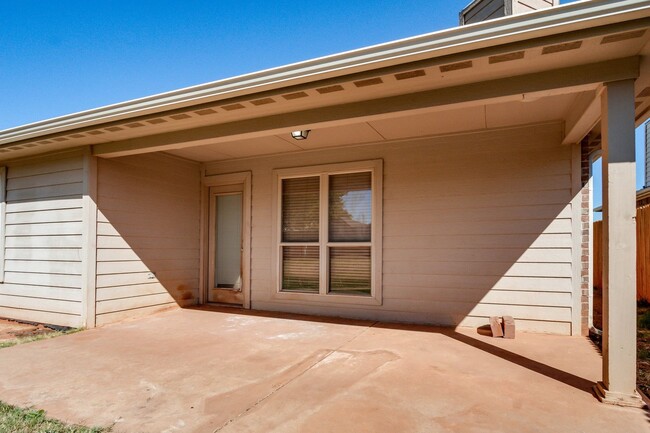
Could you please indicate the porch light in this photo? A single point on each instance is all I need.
(300, 135)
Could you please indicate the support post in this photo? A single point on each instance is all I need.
(89, 240)
(619, 253)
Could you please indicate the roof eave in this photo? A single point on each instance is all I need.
(500, 31)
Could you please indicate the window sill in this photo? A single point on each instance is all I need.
(320, 299)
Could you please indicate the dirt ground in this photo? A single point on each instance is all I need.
(10, 330)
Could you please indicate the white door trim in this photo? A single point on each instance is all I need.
(224, 180)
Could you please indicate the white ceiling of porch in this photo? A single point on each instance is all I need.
(528, 109)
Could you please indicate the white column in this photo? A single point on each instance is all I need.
(619, 241)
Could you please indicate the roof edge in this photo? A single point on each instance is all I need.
(559, 19)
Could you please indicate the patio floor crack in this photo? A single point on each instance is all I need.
(297, 376)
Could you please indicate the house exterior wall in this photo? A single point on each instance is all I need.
(148, 225)
(43, 240)
(474, 225)
(483, 11)
(523, 6)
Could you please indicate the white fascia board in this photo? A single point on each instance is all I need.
(556, 20)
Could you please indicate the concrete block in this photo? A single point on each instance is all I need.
(495, 326)
(508, 327)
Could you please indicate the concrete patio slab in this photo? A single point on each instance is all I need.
(207, 370)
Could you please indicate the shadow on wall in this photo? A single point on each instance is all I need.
(481, 225)
(147, 235)
(474, 225)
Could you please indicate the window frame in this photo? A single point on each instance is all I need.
(375, 167)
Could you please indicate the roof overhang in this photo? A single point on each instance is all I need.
(134, 123)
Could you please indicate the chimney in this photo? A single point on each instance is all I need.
(483, 10)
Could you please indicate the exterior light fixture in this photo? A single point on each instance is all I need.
(300, 135)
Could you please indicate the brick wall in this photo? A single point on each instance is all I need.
(588, 147)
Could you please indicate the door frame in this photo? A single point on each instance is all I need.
(224, 180)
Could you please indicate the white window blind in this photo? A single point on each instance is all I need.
(300, 209)
(300, 268)
(350, 270)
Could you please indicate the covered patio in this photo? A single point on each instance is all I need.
(271, 372)
(472, 142)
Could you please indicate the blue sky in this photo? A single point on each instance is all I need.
(63, 56)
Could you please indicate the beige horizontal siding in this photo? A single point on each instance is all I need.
(43, 241)
(474, 226)
(42, 280)
(44, 216)
(485, 282)
(147, 235)
(55, 318)
(487, 240)
(46, 292)
(384, 314)
(45, 192)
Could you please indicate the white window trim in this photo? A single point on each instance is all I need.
(376, 168)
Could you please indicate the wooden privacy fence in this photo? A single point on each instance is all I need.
(642, 253)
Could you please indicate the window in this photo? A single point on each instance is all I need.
(328, 239)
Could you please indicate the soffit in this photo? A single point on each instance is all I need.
(499, 62)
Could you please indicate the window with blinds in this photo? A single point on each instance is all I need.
(326, 234)
(300, 209)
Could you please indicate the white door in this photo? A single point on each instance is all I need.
(226, 277)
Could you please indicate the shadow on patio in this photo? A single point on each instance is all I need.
(229, 370)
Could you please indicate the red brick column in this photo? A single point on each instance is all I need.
(588, 147)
